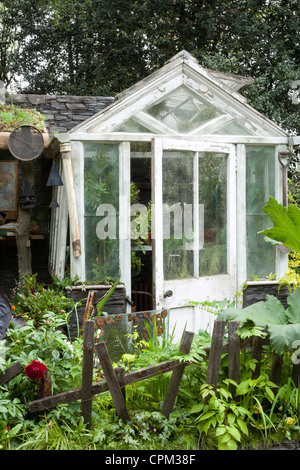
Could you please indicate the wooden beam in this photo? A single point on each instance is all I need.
(234, 348)
(11, 372)
(87, 372)
(112, 381)
(177, 375)
(65, 150)
(215, 352)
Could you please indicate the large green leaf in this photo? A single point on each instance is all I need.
(105, 298)
(264, 313)
(283, 324)
(286, 222)
(293, 310)
(283, 336)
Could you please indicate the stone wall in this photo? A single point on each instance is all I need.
(64, 112)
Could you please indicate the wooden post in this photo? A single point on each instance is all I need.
(120, 373)
(233, 354)
(276, 369)
(44, 386)
(87, 372)
(296, 375)
(173, 387)
(88, 308)
(112, 381)
(256, 354)
(65, 150)
(215, 354)
(11, 372)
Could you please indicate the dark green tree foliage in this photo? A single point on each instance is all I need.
(102, 47)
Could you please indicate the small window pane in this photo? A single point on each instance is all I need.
(232, 129)
(101, 205)
(260, 186)
(213, 199)
(131, 126)
(177, 192)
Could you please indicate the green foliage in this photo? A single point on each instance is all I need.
(283, 324)
(259, 412)
(97, 48)
(286, 222)
(12, 116)
(106, 297)
(223, 415)
(39, 304)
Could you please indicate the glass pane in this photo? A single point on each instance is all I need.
(260, 186)
(101, 205)
(232, 129)
(183, 111)
(213, 200)
(177, 169)
(132, 126)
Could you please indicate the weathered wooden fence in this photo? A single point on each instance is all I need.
(233, 347)
(116, 379)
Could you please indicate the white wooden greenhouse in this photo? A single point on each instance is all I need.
(183, 156)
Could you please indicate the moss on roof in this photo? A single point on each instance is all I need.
(12, 116)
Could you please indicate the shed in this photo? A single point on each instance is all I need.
(166, 185)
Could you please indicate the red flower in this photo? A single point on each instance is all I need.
(35, 369)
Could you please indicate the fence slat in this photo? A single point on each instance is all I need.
(234, 348)
(256, 354)
(215, 352)
(11, 372)
(276, 369)
(120, 373)
(176, 377)
(296, 375)
(88, 307)
(87, 372)
(112, 381)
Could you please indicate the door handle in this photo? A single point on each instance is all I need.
(169, 293)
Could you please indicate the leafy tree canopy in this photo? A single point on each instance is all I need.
(101, 48)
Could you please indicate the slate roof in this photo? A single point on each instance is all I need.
(64, 112)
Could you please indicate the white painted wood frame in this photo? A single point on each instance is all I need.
(199, 288)
(124, 218)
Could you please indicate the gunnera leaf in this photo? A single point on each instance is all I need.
(286, 220)
(264, 313)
